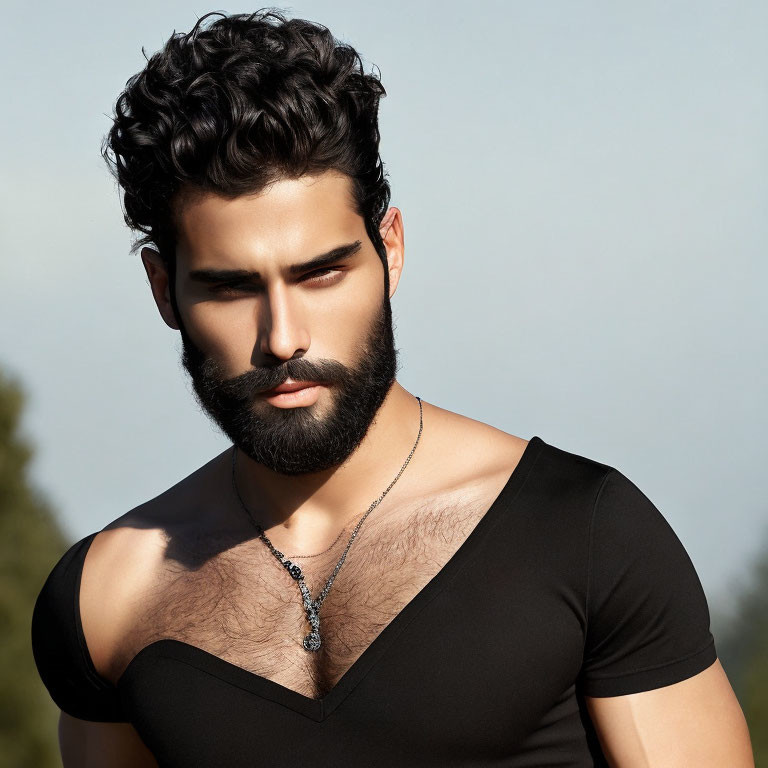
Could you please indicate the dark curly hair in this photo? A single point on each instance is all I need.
(232, 108)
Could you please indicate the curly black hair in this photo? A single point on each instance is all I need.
(233, 107)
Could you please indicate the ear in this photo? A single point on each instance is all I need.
(391, 231)
(160, 285)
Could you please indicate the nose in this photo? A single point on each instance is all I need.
(282, 329)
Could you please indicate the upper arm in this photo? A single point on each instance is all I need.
(86, 744)
(697, 721)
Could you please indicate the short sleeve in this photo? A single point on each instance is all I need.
(648, 622)
(59, 647)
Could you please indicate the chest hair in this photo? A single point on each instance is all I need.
(238, 603)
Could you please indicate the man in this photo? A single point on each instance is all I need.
(364, 578)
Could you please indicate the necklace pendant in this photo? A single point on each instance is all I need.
(312, 641)
(293, 569)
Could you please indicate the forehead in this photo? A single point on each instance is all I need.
(287, 218)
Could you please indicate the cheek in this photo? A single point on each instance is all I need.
(338, 328)
(345, 324)
(226, 331)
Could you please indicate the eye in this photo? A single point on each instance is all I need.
(226, 289)
(327, 275)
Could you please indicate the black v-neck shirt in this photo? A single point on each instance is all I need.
(572, 584)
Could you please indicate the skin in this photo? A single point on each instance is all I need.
(697, 722)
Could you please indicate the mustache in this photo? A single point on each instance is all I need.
(248, 385)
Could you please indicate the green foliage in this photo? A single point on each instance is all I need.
(743, 651)
(30, 543)
(756, 702)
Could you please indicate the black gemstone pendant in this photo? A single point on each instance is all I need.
(312, 641)
(293, 569)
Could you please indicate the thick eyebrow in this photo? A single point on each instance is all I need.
(222, 275)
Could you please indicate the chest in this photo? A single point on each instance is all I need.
(241, 605)
(475, 667)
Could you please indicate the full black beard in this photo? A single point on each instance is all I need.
(295, 441)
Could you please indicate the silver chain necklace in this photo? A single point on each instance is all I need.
(312, 641)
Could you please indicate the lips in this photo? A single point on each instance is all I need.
(291, 386)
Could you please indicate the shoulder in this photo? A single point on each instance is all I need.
(59, 648)
(647, 612)
(493, 450)
(90, 599)
(119, 566)
(450, 439)
(122, 564)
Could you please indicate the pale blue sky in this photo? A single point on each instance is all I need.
(584, 193)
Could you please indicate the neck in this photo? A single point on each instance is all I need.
(307, 510)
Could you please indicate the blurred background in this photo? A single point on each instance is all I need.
(584, 194)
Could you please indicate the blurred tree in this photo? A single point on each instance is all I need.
(742, 646)
(30, 543)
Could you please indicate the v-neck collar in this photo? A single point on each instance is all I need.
(319, 709)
